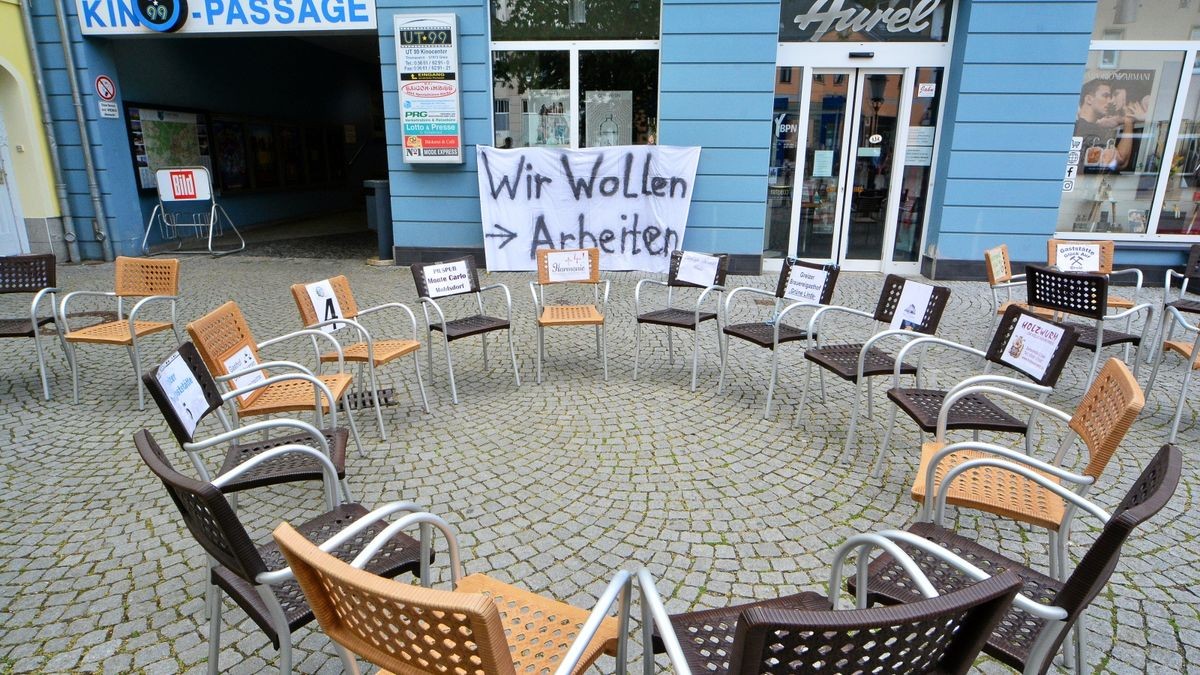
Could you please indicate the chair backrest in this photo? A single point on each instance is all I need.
(800, 280)
(568, 265)
(718, 277)
(395, 625)
(998, 264)
(26, 273)
(1106, 412)
(1103, 248)
(1079, 293)
(1191, 273)
(206, 512)
(139, 277)
(446, 278)
(893, 292)
(172, 396)
(226, 344)
(943, 634)
(1031, 345)
(341, 291)
(1146, 497)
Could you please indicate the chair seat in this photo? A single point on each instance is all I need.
(293, 395)
(116, 332)
(385, 351)
(1013, 636)
(974, 411)
(677, 318)
(285, 469)
(706, 636)
(1039, 311)
(1184, 305)
(1184, 349)
(992, 489)
(540, 630)
(400, 554)
(469, 325)
(763, 334)
(570, 315)
(842, 360)
(1087, 337)
(15, 328)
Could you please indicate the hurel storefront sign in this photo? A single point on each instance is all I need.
(864, 20)
(430, 110)
(629, 201)
(139, 17)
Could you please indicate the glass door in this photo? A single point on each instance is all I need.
(869, 160)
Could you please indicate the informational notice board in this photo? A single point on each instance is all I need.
(430, 109)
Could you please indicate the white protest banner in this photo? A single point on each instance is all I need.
(914, 300)
(241, 360)
(568, 266)
(805, 284)
(629, 201)
(183, 391)
(447, 279)
(1078, 257)
(698, 268)
(1032, 345)
(325, 303)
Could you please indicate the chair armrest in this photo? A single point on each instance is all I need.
(363, 333)
(607, 287)
(328, 473)
(313, 333)
(1013, 282)
(814, 322)
(962, 390)
(426, 521)
(1181, 320)
(1137, 273)
(862, 544)
(319, 387)
(50, 291)
(260, 366)
(1170, 276)
(62, 307)
(137, 308)
(412, 317)
(654, 615)
(879, 337)
(1145, 306)
(1049, 612)
(264, 425)
(637, 293)
(928, 341)
(619, 588)
(507, 297)
(748, 290)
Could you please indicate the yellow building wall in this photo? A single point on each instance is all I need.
(23, 118)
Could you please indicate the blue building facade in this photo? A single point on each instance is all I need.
(907, 142)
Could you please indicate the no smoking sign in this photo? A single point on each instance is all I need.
(106, 89)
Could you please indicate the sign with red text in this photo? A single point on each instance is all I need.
(430, 111)
(185, 184)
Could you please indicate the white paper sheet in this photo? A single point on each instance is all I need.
(698, 268)
(914, 300)
(183, 391)
(241, 360)
(447, 279)
(324, 303)
(568, 266)
(1078, 257)
(804, 284)
(1032, 345)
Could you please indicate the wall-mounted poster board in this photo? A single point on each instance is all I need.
(430, 110)
(160, 137)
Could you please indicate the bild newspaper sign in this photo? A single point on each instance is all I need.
(629, 201)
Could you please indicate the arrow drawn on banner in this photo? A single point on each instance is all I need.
(508, 235)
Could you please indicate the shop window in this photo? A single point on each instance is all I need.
(575, 19)
(1142, 20)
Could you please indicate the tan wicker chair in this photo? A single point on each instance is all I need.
(369, 353)
(150, 280)
(551, 316)
(223, 338)
(1103, 417)
(484, 626)
(1106, 267)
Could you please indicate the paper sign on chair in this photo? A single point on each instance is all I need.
(241, 360)
(325, 303)
(697, 268)
(805, 284)
(447, 279)
(1032, 346)
(183, 391)
(914, 301)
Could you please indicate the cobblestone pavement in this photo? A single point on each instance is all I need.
(553, 487)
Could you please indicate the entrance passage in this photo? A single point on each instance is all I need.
(864, 176)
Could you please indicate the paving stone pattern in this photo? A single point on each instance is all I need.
(554, 487)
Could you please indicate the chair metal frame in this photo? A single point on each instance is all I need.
(418, 272)
(537, 288)
(127, 287)
(1190, 354)
(32, 274)
(264, 582)
(349, 307)
(299, 553)
(782, 307)
(1006, 282)
(672, 317)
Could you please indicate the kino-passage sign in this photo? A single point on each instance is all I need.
(427, 64)
(629, 201)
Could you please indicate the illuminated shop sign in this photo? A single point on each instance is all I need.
(142, 17)
(864, 20)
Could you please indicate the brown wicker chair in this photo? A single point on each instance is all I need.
(150, 280)
(256, 577)
(857, 362)
(1041, 617)
(1001, 278)
(570, 266)
(977, 412)
(183, 381)
(1085, 295)
(1103, 417)
(31, 274)
(482, 626)
(801, 285)
(369, 352)
(227, 346)
(433, 284)
(1107, 250)
(687, 318)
